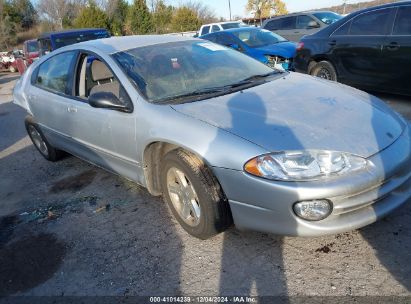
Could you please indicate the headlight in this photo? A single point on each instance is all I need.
(304, 165)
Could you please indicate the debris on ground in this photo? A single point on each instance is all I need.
(326, 248)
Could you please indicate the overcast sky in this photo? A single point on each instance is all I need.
(238, 6)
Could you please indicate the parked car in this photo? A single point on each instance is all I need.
(51, 41)
(220, 26)
(263, 45)
(295, 26)
(29, 55)
(220, 135)
(369, 49)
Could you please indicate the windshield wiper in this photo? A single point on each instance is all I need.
(262, 76)
(220, 90)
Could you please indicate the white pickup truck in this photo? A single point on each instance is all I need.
(220, 26)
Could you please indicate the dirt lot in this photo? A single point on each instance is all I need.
(69, 228)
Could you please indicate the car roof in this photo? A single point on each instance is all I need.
(225, 22)
(327, 31)
(234, 30)
(299, 13)
(82, 30)
(239, 29)
(123, 43)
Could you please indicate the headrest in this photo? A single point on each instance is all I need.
(100, 71)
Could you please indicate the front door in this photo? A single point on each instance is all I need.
(397, 53)
(106, 137)
(357, 54)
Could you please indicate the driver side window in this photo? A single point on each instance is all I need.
(94, 76)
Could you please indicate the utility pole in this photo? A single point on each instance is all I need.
(229, 7)
(345, 5)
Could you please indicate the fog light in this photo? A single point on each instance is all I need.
(313, 210)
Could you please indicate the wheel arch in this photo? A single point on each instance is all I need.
(317, 59)
(154, 152)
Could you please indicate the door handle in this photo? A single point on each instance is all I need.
(71, 109)
(393, 46)
(332, 42)
(297, 32)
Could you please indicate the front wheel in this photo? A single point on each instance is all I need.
(194, 195)
(324, 70)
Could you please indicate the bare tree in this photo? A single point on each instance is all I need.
(204, 13)
(55, 11)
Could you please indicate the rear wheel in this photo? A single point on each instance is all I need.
(40, 142)
(324, 70)
(194, 195)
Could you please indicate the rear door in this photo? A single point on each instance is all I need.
(397, 53)
(49, 96)
(356, 48)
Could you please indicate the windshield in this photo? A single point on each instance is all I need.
(170, 70)
(32, 46)
(228, 26)
(258, 38)
(328, 17)
(68, 39)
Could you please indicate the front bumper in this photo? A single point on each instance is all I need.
(359, 200)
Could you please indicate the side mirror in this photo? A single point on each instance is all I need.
(107, 100)
(313, 24)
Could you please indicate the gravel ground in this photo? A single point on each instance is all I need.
(70, 228)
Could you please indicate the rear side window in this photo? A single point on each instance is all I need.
(205, 30)
(226, 40)
(211, 37)
(54, 73)
(402, 25)
(273, 25)
(372, 23)
(303, 21)
(288, 23)
(45, 46)
(215, 28)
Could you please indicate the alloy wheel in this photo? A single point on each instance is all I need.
(38, 140)
(183, 196)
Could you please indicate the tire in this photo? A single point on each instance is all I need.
(40, 142)
(12, 69)
(209, 211)
(324, 70)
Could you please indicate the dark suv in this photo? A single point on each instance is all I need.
(53, 40)
(370, 49)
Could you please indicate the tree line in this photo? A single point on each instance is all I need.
(23, 19)
(118, 16)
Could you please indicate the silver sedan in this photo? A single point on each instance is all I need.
(223, 138)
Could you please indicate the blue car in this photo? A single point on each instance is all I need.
(263, 45)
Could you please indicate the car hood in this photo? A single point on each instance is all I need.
(283, 49)
(296, 112)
